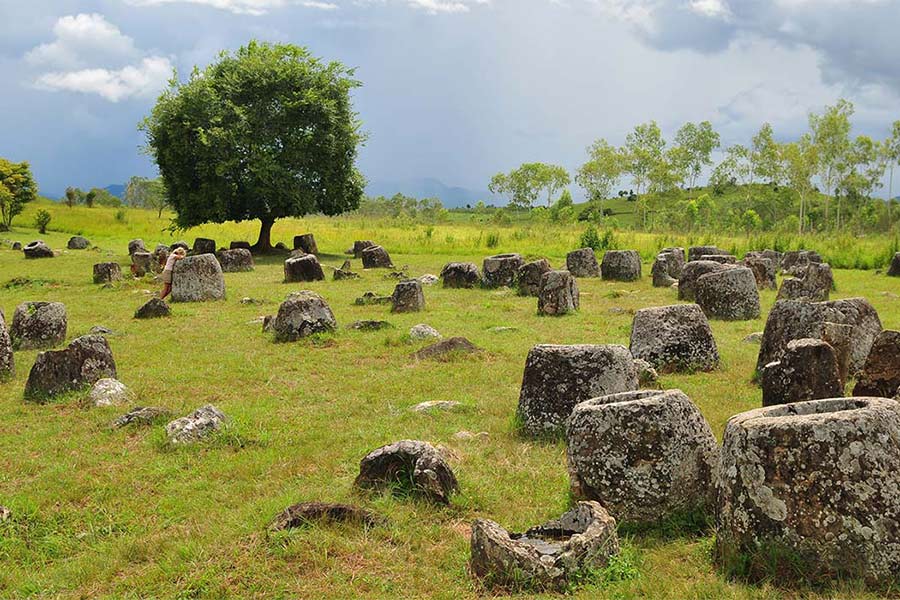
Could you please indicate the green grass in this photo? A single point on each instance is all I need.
(102, 513)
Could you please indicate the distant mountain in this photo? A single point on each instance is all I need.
(450, 196)
(116, 189)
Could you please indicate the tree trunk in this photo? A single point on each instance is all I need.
(264, 243)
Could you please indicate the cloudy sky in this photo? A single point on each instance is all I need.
(453, 89)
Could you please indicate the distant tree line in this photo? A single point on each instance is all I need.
(401, 206)
(801, 179)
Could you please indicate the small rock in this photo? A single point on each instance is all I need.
(5, 514)
(247, 300)
(141, 415)
(77, 243)
(424, 332)
(107, 272)
(204, 246)
(86, 360)
(369, 325)
(469, 436)
(370, 298)
(153, 309)
(195, 426)
(411, 463)
(428, 279)
(441, 350)
(434, 405)
(754, 338)
(301, 315)
(305, 513)
(307, 243)
(101, 330)
(109, 392)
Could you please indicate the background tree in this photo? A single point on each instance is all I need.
(17, 188)
(142, 192)
(696, 143)
(524, 185)
(764, 158)
(831, 135)
(891, 152)
(643, 151)
(90, 197)
(73, 196)
(737, 167)
(602, 171)
(799, 163)
(861, 169)
(265, 133)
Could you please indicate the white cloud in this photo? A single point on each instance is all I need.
(90, 55)
(79, 39)
(261, 7)
(244, 7)
(141, 80)
(710, 8)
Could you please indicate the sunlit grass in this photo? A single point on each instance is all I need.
(103, 513)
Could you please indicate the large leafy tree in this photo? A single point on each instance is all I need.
(644, 148)
(764, 158)
(17, 187)
(601, 172)
(799, 163)
(695, 143)
(831, 135)
(524, 185)
(265, 133)
(891, 153)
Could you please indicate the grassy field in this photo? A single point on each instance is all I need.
(102, 513)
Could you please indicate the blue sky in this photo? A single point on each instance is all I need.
(453, 89)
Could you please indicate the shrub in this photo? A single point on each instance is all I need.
(120, 216)
(41, 220)
(493, 240)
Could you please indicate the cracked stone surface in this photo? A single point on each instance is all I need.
(411, 463)
(557, 377)
(819, 478)
(644, 455)
(302, 314)
(198, 279)
(546, 557)
(674, 338)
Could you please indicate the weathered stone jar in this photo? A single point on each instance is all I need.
(583, 263)
(818, 481)
(546, 557)
(644, 455)
(501, 270)
(674, 338)
(460, 275)
(557, 378)
(558, 294)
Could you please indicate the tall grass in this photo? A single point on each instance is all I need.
(335, 234)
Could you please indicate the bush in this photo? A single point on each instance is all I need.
(591, 239)
(493, 240)
(41, 220)
(120, 216)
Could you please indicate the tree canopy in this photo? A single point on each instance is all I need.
(17, 188)
(264, 133)
(524, 185)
